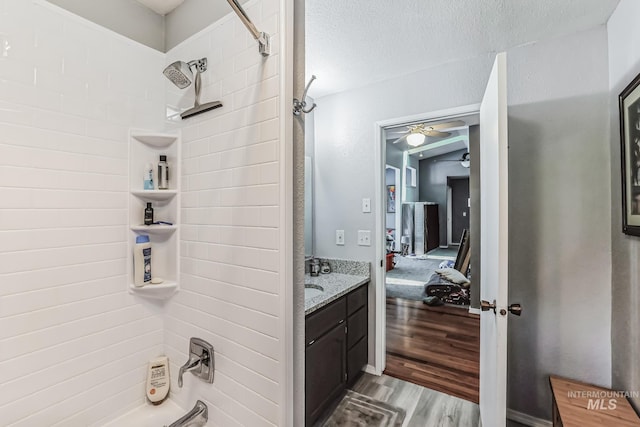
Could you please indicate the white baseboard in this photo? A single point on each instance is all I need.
(527, 420)
(369, 369)
(474, 310)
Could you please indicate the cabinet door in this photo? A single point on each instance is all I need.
(356, 360)
(325, 371)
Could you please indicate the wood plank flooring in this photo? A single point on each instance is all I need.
(435, 347)
(423, 407)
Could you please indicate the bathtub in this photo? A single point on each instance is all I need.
(149, 415)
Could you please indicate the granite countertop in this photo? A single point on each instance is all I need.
(335, 285)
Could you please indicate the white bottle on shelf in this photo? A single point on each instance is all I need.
(142, 261)
(148, 178)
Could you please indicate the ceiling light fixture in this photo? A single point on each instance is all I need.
(415, 139)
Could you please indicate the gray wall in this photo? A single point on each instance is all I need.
(560, 230)
(559, 267)
(133, 20)
(309, 150)
(390, 179)
(624, 65)
(474, 213)
(394, 158)
(433, 185)
(413, 192)
(195, 15)
(126, 17)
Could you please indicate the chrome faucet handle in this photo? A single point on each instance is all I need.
(192, 363)
(201, 362)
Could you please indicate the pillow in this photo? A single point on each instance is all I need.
(453, 275)
(446, 264)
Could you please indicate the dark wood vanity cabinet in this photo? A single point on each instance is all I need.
(336, 350)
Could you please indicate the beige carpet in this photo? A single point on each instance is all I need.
(358, 410)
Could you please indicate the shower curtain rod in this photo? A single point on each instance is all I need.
(264, 45)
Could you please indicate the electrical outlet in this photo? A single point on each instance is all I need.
(366, 205)
(364, 238)
(340, 237)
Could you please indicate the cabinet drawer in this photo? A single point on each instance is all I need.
(356, 360)
(357, 326)
(325, 319)
(357, 299)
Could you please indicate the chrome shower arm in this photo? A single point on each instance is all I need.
(264, 42)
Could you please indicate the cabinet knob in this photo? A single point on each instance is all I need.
(311, 342)
(341, 321)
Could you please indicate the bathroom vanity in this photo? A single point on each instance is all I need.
(336, 339)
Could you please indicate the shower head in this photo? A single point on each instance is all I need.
(180, 75)
(180, 72)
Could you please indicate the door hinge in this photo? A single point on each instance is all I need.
(381, 263)
(345, 330)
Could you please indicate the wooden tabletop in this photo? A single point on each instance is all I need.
(586, 405)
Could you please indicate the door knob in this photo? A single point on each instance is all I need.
(515, 309)
(486, 305)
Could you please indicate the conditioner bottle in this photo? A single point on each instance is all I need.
(142, 261)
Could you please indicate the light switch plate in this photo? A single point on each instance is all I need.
(340, 237)
(366, 205)
(364, 238)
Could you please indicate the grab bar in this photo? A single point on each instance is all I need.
(264, 40)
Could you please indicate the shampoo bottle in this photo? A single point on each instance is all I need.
(142, 261)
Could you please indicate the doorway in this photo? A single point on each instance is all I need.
(418, 338)
(458, 206)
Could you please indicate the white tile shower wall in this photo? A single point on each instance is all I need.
(230, 209)
(73, 342)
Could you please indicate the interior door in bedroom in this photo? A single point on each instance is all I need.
(494, 209)
(459, 207)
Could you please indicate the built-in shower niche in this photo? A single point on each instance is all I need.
(145, 149)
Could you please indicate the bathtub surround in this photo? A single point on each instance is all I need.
(232, 238)
(68, 325)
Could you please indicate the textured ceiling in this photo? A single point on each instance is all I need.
(161, 7)
(353, 43)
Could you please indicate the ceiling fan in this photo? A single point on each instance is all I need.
(465, 160)
(415, 134)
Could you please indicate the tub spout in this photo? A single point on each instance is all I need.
(198, 416)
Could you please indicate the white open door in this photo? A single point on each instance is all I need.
(494, 247)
